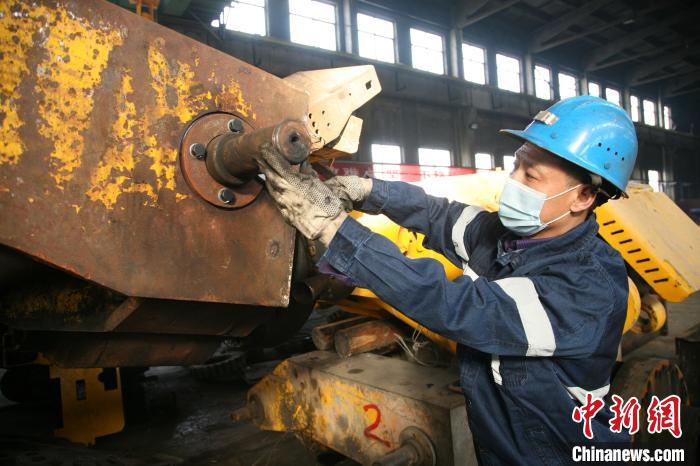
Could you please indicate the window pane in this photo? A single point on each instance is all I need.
(649, 112)
(508, 163)
(543, 82)
(312, 23)
(437, 157)
(474, 63)
(244, 16)
(508, 72)
(668, 122)
(653, 177)
(375, 38)
(483, 161)
(567, 86)
(384, 153)
(427, 51)
(594, 89)
(612, 95)
(634, 108)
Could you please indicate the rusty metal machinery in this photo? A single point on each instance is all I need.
(134, 227)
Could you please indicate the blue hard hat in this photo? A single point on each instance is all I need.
(588, 131)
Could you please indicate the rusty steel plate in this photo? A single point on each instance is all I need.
(195, 172)
(94, 101)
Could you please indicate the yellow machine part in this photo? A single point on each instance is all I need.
(634, 306)
(657, 239)
(91, 403)
(652, 316)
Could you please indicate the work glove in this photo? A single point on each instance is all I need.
(302, 198)
(351, 190)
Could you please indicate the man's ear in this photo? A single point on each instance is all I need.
(585, 198)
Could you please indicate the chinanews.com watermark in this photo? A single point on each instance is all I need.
(662, 415)
(591, 454)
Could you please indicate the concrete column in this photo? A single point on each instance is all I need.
(529, 70)
(278, 19)
(348, 23)
(454, 45)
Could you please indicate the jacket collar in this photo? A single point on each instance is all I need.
(572, 240)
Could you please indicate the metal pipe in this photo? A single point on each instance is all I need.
(231, 157)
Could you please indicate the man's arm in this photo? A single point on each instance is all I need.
(516, 316)
(443, 223)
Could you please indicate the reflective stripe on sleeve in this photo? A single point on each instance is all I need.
(460, 226)
(538, 328)
(579, 393)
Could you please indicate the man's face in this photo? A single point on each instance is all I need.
(539, 170)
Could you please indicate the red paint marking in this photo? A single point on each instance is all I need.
(371, 427)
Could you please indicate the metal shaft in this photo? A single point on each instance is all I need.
(231, 157)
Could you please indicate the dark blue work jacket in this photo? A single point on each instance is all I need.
(536, 328)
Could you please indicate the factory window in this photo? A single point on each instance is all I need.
(649, 111)
(385, 153)
(668, 122)
(634, 108)
(594, 89)
(427, 51)
(567, 86)
(508, 72)
(474, 62)
(483, 161)
(244, 16)
(312, 22)
(613, 95)
(435, 157)
(654, 182)
(508, 163)
(543, 82)
(375, 37)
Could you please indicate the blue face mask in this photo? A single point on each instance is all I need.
(520, 206)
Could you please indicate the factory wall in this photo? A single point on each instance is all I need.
(420, 109)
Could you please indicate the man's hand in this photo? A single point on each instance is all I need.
(302, 198)
(352, 190)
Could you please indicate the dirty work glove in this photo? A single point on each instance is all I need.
(352, 190)
(302, 198)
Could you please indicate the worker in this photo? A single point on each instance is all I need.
(539, 312)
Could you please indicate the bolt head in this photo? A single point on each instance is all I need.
(235, 125)
(198, 151)
(226, 195)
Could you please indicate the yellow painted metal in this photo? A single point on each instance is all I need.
(89, 409)
(653, 315)
(657, 239)
(358, 406)
(634, 306)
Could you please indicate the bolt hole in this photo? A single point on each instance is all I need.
(313, 123)
(317, 131)
(368, 85)
(323, 112)
(294, 138)
(310, 115)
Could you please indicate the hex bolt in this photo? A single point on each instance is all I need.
(198, 151)
(235, 125)
(226, 196)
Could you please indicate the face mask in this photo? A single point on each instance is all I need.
(520, 207)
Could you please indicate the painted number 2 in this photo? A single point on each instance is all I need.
(375, 424)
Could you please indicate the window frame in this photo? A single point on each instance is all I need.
(395, 40)
(619, 95)
(577, 85)
(371, 154)
(520, 72)
(639, 118)
(594, 83)
(449, 151)
(644, 113)
(266, 18)
(431, 31)
(486, 62)
(336, 25)
(491, 161)
(551, 80)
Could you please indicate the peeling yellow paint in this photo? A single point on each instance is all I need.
(76, 54)
(13, 68)
(114, 173)
(76, 207)
(181, 197)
